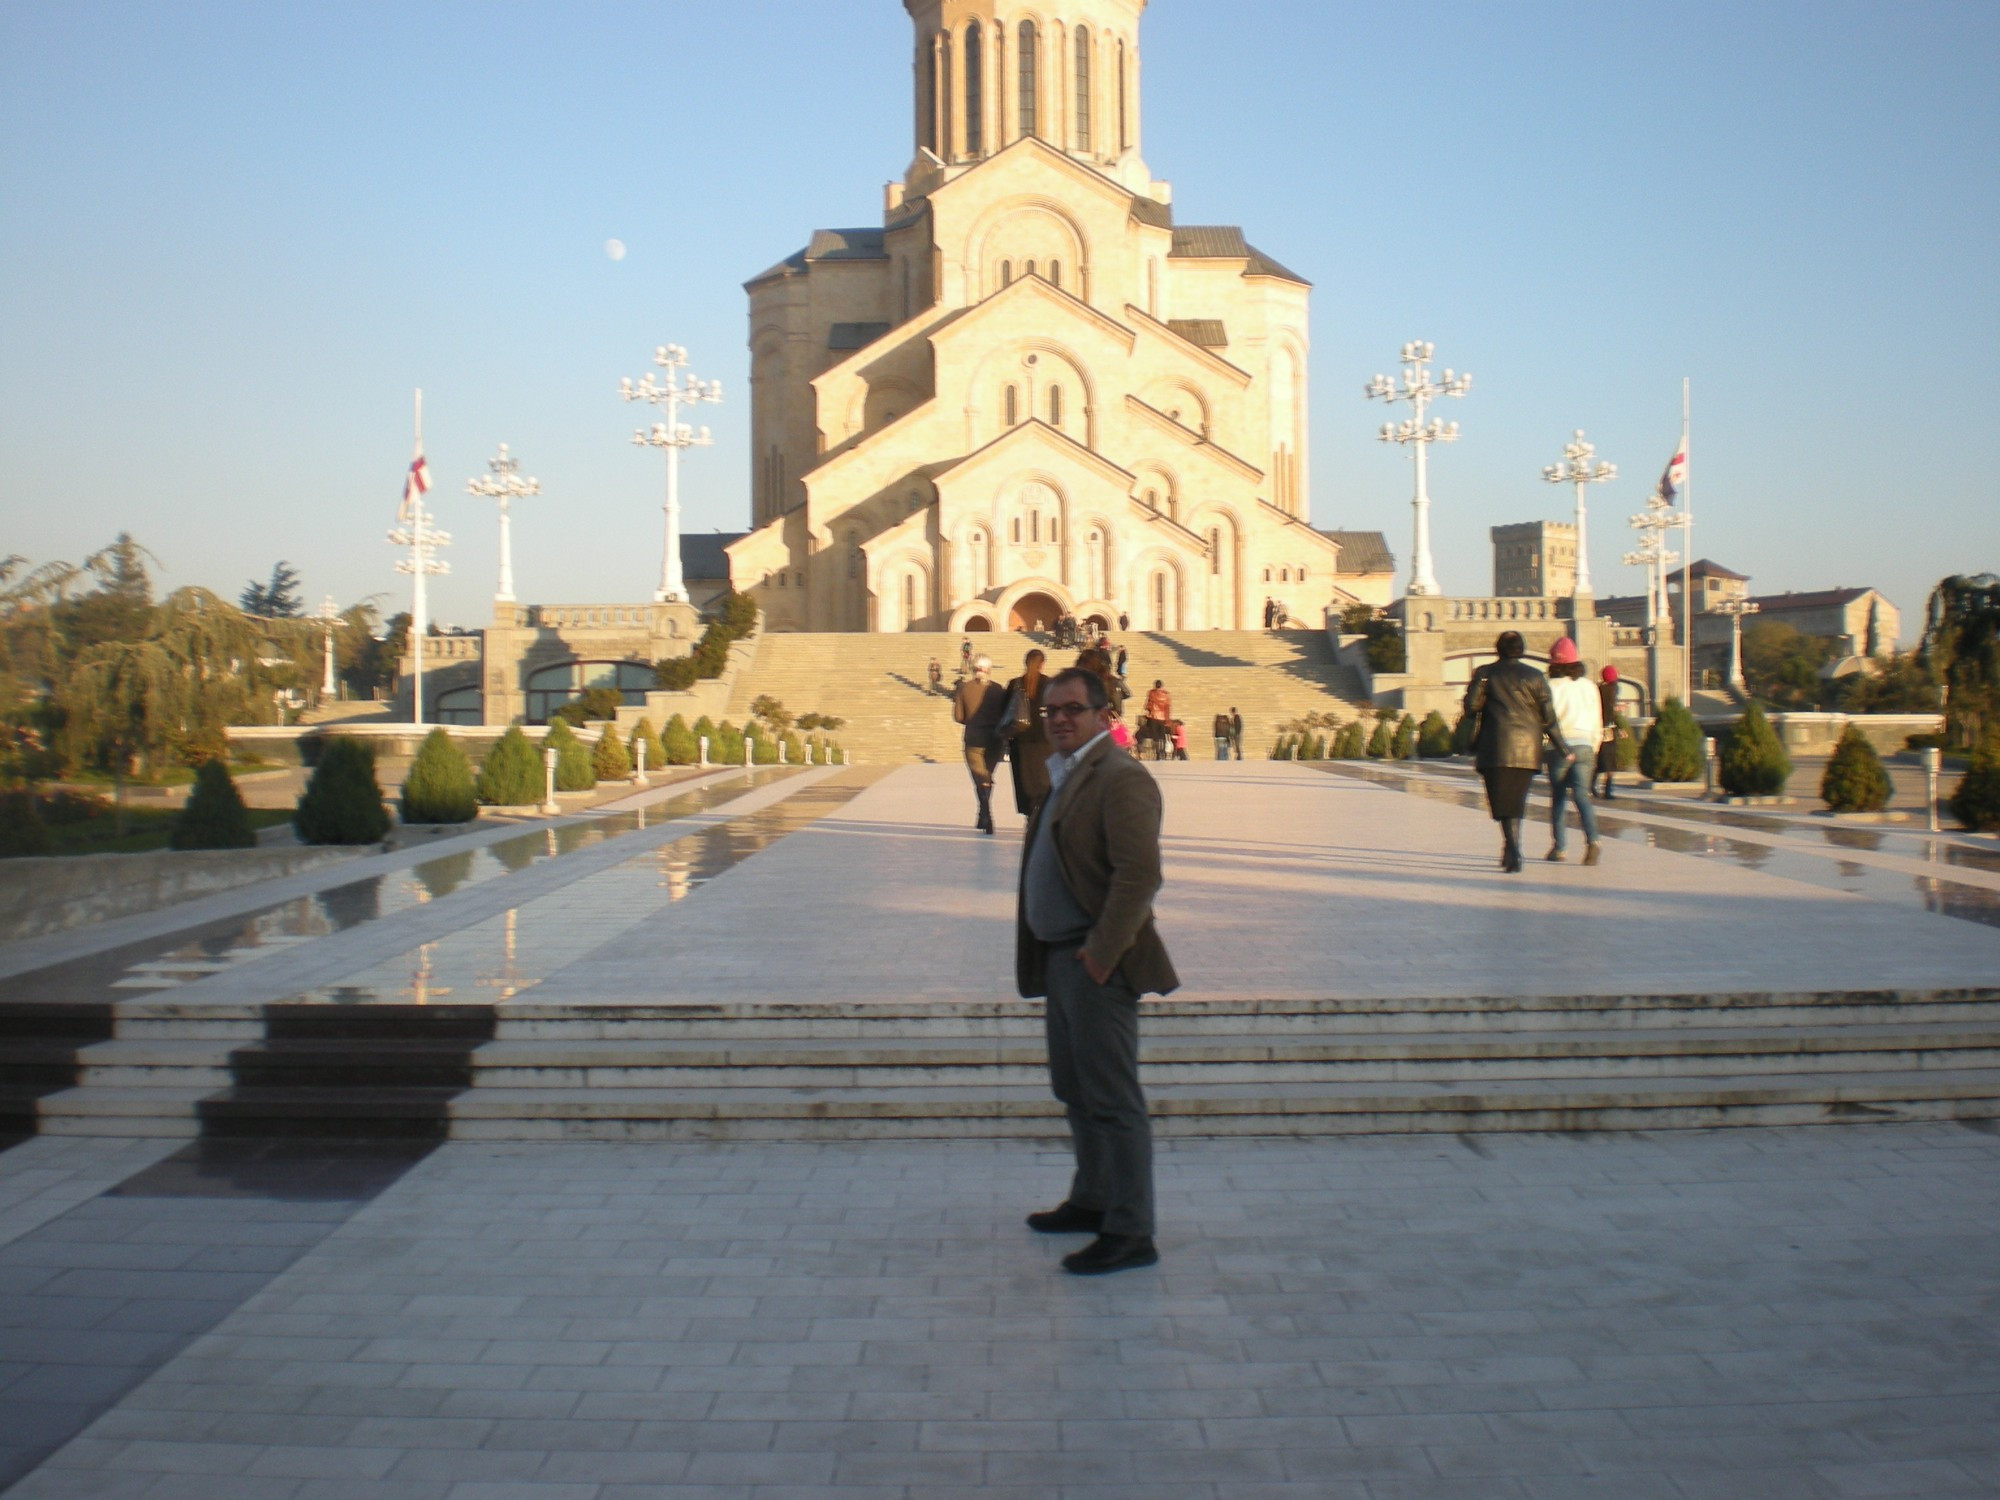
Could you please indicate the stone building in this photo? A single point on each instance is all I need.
(1031, 390)
(1534, 560)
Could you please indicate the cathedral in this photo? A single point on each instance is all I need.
(1031, 391)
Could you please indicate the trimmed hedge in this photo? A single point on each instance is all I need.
(656, 752)
(439, 787)
(609, 760)
(1854, 780)
(679, 746)
(573, 769)
(1434, 738)
(1405, 739)
(512, 775)
(1672, 749)
(214, 817)
(343, 801)
(1753, 763)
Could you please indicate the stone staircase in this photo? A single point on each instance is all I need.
(787, 1071)
(879, 683)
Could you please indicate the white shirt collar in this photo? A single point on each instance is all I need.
(1059, 766)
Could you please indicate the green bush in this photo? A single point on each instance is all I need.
(1672, 749)
(1380, 742)
(343, 801)
(795, 750)
(1385, 649)
(656, 753)
(678, 746)
(726, 748)
(1405, 740)
(609, 760)
(594, 706)
(22, 830)
(704, 728)
(1624, 749)
(1854, 780)
(1462, 733)
(573, 770)
(1434, 739)
(837, 756)
(763, 748)
(214, 817)
(1753, 763)
(439, 787)
(1976, 803)
(512, 775)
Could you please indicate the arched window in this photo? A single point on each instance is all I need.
(1031, 268)
(1013, 405)
(1006, 273)
(945, 148)
(1082, 89)
(975, 93)
(1017, 531)
(1124, 114)
(930, 100)
(1055, 273)
(1055, 406)
(1215, 550)
(1027, 63)
(911, 613)
(982, 574)
(1153, 504)
(1055, 533)
(1034, 526)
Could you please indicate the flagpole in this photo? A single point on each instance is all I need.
(1687, 558)
(417, 590)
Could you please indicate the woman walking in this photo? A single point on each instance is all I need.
(1029, 748)
(1580, 717)
(1511, 711)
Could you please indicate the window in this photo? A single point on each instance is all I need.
(1006, 273)
(1030, 46)
(1031, 268)
(1013, 405)
(1055, 273)
(1054, 537)
(1215, 551)
(945, 148)
(911, 613)
(930, 101)
(551, 687)
(1124, 115)
(1267, 575)
(1082, 89)
(466, 705)
(975, 101)
(1035, 526)
(1055, 406)
(1017, 531)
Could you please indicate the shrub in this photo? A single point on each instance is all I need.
(1624, 749)
(596, 705)
(1354, 741)
(1976, 803)
(439, 787)
(678, 746)
(763, 749)
(573, 771)
(1753, 763)
(1434, 739)
(609, 760)
(726, 748)
(343, 801)
(1672, 750)
(22, 830)
(1381, 740)
(836, 756)
(772, 712)
(704, 728)
(1405, 739)
(214, 817)
(656, 752)
(1462, 734)
(512, 775)
(1385, 649)
(1854, 779)
(795, 750)
(677, 674)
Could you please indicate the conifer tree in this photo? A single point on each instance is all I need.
(343, 801)
(1380, 742)
(678, 746)
(1753, 763)
(1976, 803)
(573, 768)
(512, 775)
(1672, 750)
(1434, 739)
(1405, 739)
(214, 817)
(656, 752)
(609, 761)
(439, 787)
(1854, 780)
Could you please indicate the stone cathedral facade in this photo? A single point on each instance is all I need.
(1032, 390)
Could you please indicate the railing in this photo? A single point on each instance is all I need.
(587, 616)
(454, 647)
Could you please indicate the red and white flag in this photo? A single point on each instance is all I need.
(1674, 480)
(415, 486)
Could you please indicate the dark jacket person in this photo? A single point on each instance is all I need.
(1085, 940)
(1028, 751)
(1511, 711)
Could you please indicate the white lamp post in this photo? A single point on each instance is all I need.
(670, 395)
(1419, 390)
(1736, 609)
(1653, 554)
(329, 613)
(1580, 468)
(505, 485)
(417, 531)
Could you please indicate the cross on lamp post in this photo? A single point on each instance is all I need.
(1419, 390)
(670, 395)
(1736, 609)
(505, 485)
(1580, 468)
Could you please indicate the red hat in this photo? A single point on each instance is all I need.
(1609, 674)
(1562, 653)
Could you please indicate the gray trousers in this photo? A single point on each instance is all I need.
(1094, 1069)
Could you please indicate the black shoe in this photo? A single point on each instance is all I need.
(1112, 1252)
(1067, 1218)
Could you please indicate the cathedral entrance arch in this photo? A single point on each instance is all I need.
(1034, 612)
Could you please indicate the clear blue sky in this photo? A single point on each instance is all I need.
(234, 236)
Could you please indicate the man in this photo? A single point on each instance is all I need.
(978, 704)
(1124, 623)
(1085, 942)
(1222, 733)
(1607, 753)
(1236, 732)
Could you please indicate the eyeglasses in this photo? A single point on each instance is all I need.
(1068, 710)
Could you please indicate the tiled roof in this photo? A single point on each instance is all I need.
(1262, 265)
(1362, 551)
(1207, 332)
(1770, 604)
(846, 244)
(702, 557)
(1151, 211)
(1226, 242)
(792, 265)
(849, 336)
(1705, 568)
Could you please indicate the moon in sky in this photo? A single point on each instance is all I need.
(615, 249)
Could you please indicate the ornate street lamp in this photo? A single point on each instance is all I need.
(506, 485)
(1579, 467)
(670, 395)
(1652, 555)
(1419, 390)
(329, 614)
(1736, 609)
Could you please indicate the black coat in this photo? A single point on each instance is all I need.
(1511, 711)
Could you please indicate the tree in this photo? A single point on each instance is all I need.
(1672, 749)
(343, 802)
(1381, 740)
(1854, 780)
(678, 745)
(1434, 739)
(1625, 748)
(656, 753)
(1385, 650)
(795, 748)
(1962, 648)
(214, 816)
(1781, 665)
(439, 788)
(1354, 741)
(573, 770)
(278, 599)
(1753, 763)
(726, 747)
(1900, 683)
(1405, 739)
(609, 760)
(772, 712)
(1976, 803)
(1356, 618)
(22, 831)
(763, 748)
(512, 774)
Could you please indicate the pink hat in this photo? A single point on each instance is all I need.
(1609, 674)
(1562, 653)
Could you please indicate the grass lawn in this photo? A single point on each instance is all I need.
(146, 828)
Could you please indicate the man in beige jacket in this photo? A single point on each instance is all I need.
(1084, 939)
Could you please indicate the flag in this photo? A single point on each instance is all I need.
(414, 487)
(1674, 480)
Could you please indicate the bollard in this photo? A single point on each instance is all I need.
(749, 752)
(550, 807)
(704, 750)
(1933, 763)
(809, 752)
(1708, 767)
(784, 755)
(639, 764)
